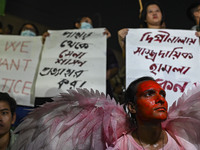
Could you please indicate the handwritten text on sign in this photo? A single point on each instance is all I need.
(170, 56)
(18, 64)
(72, 59)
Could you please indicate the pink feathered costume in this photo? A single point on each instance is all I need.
(88, 120)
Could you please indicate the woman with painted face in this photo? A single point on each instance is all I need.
(147, 106)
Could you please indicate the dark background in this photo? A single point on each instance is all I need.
(112, 14)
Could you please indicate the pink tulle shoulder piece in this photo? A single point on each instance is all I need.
(79, 119)
(184, 116)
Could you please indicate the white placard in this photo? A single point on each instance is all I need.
(169, 56)
(72, 59)
(19, 58)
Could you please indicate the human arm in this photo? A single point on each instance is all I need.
(198, 35)
(112, 64)
(121, 39)
(111, 73)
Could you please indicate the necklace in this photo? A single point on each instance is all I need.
(142, 144)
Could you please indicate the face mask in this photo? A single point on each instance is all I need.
(28, 33)
(85, 25)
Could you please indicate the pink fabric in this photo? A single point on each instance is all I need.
(126, 142)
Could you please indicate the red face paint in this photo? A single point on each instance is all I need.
(151, 103)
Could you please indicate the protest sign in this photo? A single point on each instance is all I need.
(72, 59)
(169, 56)
(18, 63)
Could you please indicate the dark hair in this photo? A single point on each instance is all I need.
(9, 28)
(144, 13)
(191, 10)
(96, 19)
(11, 101)
(132, 89)
(78, 20)
(35, 27)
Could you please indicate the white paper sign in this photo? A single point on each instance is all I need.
(19, 58)
(169, 56)
(72, 59)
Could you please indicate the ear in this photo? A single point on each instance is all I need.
(13, 118)
(131, 108)
(77, 25)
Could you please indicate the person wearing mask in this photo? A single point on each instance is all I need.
(85, 22)
(7, 118)
(28, 29)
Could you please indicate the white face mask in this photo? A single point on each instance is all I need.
(27, 33)
(86, 25)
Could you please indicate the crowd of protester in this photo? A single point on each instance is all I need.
(152, 17)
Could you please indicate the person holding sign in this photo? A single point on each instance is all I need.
(152, 17)
(83, 119)
(28, 29)
(85, 22)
